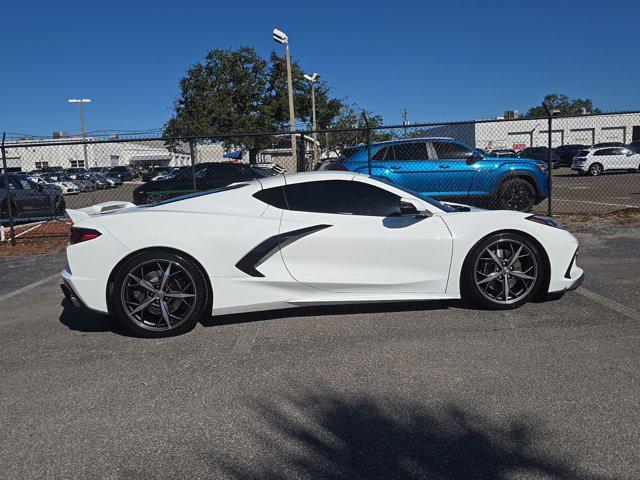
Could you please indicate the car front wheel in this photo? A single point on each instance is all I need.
(503, 271)
(159, 293)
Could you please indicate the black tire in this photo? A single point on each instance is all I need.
(516, 194)
(596, 169)
(472, 292)
(151, 323)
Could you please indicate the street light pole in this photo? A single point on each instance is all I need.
(312, 79)
(282, 38)
(84, 135)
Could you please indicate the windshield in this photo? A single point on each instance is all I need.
(431, 201)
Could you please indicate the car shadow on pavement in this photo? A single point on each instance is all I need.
(332, 435)
(83, 320)
(322, 310)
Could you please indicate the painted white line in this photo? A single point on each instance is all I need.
(596, 203)
(31, 286)
(27, 231)
(607, 302)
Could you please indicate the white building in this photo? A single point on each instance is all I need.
(28, 155)
(522, 133)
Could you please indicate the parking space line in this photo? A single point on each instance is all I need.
(31, 286)
(596, 203)
(607, 302)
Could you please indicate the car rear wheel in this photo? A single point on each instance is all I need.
(517, 194)
(159, 293)
(502, 272)
(595, 169)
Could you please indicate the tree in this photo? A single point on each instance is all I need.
(236, 91)
(562, 103)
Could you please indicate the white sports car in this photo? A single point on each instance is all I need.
(306, 239)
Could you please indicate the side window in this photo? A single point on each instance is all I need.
(452, 150)
(380, 154)
(411, 151)
(605, 151)
(25, 184)
(343, 197)
(272, 196)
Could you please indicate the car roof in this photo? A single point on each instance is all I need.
(291, 178)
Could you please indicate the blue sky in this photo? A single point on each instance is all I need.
(443, 60)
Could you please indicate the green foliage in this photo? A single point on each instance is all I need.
(236, 91)
(564, 104)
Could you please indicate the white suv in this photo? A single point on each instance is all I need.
(598, 160)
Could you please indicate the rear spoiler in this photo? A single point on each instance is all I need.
(98, 209)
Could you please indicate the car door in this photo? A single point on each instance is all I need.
(29, 199)
(406, 164)
(348, 236)
(607, 157)
(455, 174)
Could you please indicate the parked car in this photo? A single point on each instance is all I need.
(28, 199)
(444, 168)
(158, 173)
(596, 161)
(541, 154)
(328, 237)
(207, 176)
(634, 146)
(566, 153)
(123, 172)
(73, 171)
(502, 153)
(68, 186)
(38, 179)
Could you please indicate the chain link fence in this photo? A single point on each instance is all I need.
(555, 165)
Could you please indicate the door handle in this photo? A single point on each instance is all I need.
(443, 166)
(395, 167)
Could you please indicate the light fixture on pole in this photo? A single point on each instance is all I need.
(84, 136)
(312, 79)
(282, 38)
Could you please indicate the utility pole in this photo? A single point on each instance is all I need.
(282, 38)
(312, 79)
(84, 134)
(405, 121)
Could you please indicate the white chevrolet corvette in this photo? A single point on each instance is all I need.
(305, 239)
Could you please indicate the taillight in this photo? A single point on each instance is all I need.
(337, 166)
(77, 235)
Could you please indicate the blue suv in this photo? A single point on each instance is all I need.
(447, 169)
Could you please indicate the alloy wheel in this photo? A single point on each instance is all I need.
(505, 271)
(158, 295)
(517, 196)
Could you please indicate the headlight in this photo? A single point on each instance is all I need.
(542, 167)
(541, 219)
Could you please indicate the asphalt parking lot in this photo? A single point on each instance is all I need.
(418, 390)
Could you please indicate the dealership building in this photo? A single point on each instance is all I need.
(27, 154)
(521, 133)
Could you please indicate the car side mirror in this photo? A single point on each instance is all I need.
(473, 158)
(410, 207)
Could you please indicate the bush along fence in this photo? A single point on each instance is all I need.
(554, 164)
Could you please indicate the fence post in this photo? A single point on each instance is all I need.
(12, 233)
(549, 146)
(366, 123)
(192, 154)
(301, 155)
